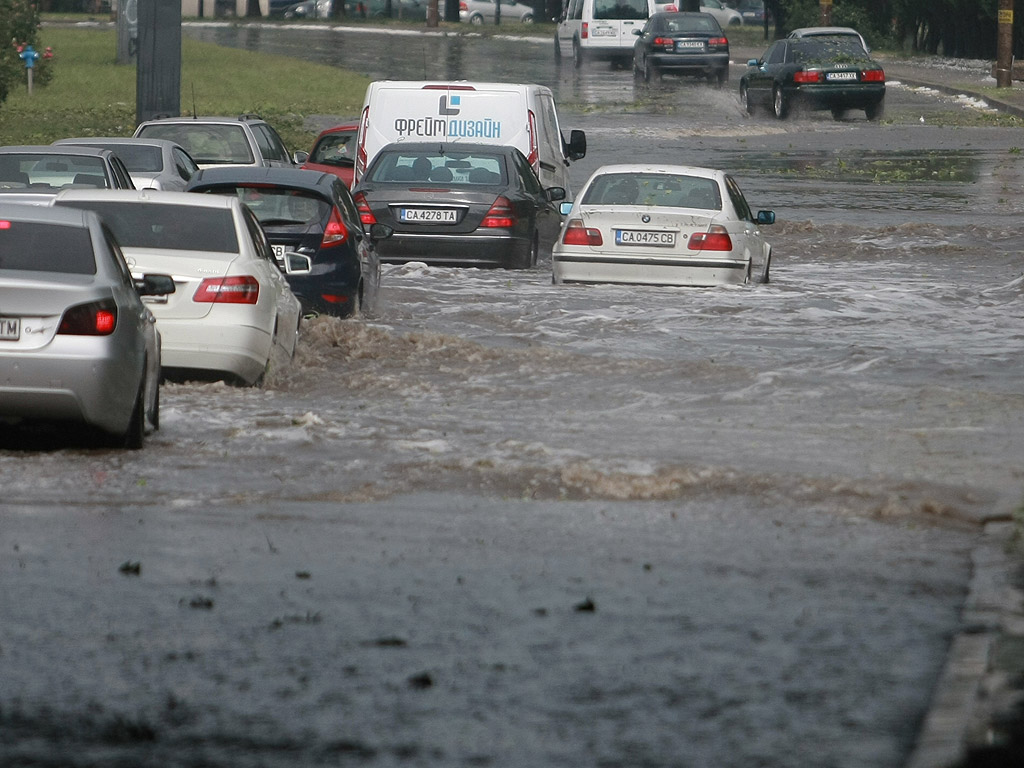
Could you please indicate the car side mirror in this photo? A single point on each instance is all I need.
(637, 31)
(554, 193)
(564, 208)
(380, 232)
(154, 285)
(753, 63)
(299, 157)
(766, 217)
(297, 263)
(577, 145)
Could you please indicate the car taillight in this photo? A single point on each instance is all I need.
(96, 319)
(807, 77)
(500, 214)
(577, 234)
(365, 214)
(534, 158)
(335, 232)
(361, 148)
(671, 8)
(873, 76)
(715, 239)
(585, 31)
(243, 289)
(716, 42)
(463, 6)
(666, 42)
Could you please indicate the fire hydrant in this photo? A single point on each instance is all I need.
(29, 55)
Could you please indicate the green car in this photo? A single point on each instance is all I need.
(833, 73)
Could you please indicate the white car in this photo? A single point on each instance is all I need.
(152, 163)
(77, 344)
(232, 315)
(483, 11)
(661, 225)
(725, 15)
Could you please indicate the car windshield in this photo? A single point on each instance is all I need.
(695, 23)
(280, 206)
(810, 50)
(451, 168)
(657, 189)
(206, 143)
(334, 149)
(40, 247)
(49, 172)
(157, 225)
(620, 9)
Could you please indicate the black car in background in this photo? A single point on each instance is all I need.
(683, 44)
(475, 205)
(311, 214)
(819, 72)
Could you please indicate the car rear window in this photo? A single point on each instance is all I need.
(155, 225)
(657, 189)
(40, 247)
(809, 50)
(206, 143)
(138, 158)
(279, 207)
(457, 168)
(620, 9)
(692, 23)
(49, 172)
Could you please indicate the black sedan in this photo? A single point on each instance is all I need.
(478, 205)
(683, 44)
(311, 215)
(833, 73)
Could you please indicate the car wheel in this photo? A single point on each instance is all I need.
(527, 19)
(780, 107)
(477, 19)
(874, 111)
(154, 418)
(577, 54)
(134, 435)
(723, 76)
(748, 105)
(356, 303)
(838, 113)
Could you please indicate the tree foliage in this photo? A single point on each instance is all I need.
(19, 25)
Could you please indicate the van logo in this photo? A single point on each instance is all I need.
(443, 107)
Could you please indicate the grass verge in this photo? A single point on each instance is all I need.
(92, 95)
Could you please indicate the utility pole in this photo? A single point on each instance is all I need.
(826, 13)
(1004, 45)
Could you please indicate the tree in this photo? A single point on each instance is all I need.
(19, 25)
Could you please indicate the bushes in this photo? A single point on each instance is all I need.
(19, 24)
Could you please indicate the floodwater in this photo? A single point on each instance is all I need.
(503, 522)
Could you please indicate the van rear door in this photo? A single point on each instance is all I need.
(615, 20)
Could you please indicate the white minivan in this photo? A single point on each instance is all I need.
(510, 114)
(601, 29)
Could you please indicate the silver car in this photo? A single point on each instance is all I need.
(152, 163)
(35, 174)
(76, 342)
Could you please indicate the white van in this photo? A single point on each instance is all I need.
(509, 114)
(601, 29)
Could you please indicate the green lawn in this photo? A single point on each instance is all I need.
(91, 95)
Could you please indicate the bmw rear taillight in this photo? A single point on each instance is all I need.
(814, 76)
(873, 76)
(96, 319)
(577, 234)
(363, 207)
(242, 289)
(715, 239)
(500, 214)
(335, 232)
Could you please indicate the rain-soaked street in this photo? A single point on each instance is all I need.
(499, 522)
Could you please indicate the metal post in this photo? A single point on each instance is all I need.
(1004, 45)
(158, 73)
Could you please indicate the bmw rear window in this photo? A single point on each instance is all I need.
(175, 227)
(40, 247)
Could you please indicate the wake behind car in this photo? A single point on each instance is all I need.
(683, 44)
(232, 315)
(478, 205)
(35, 174)
(242, 140)
(77, 344)
(817, 72)
(661, 225)
(152, 163)
(311, 214)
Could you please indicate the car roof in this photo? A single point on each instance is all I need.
(680, 170)
(150, 196)
(55, 149)
(343, 128)
(441, 147)
(238, 119)
(44, 214)
(95, 141)
(297, 178)
(811, 31)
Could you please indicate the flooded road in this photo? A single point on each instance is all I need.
(502, 522)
